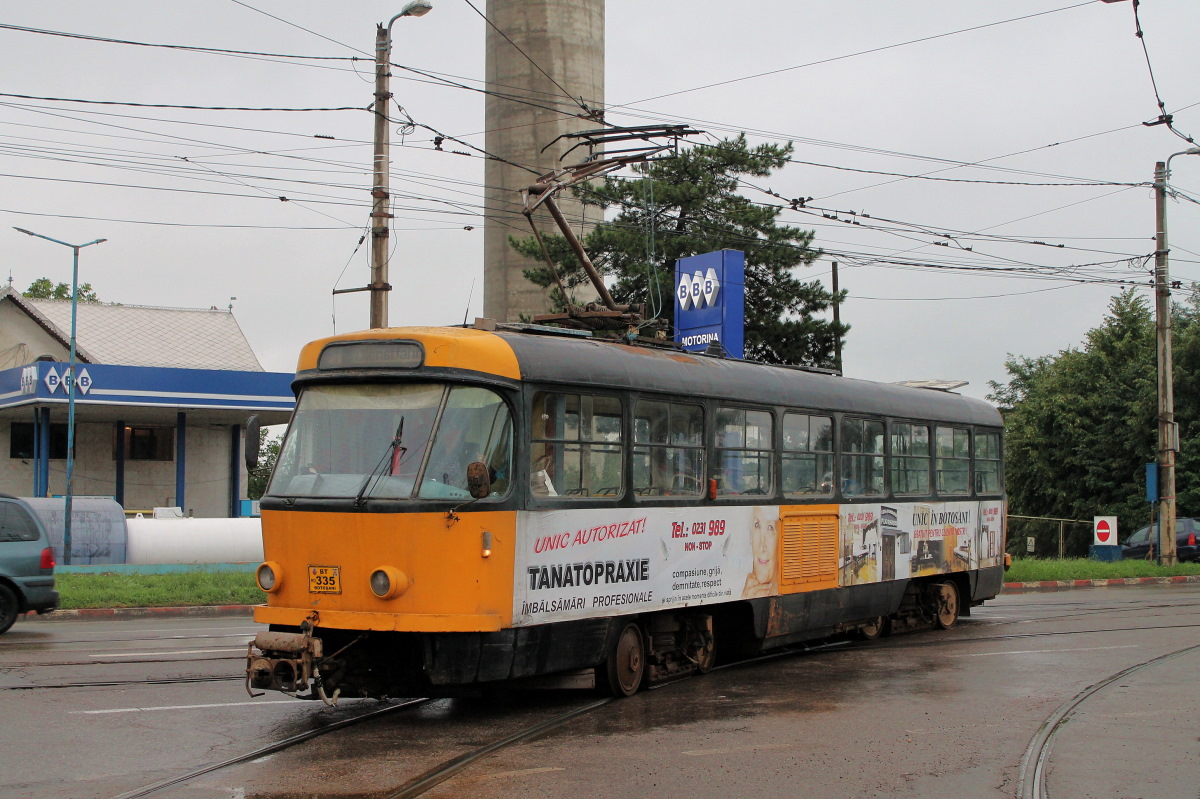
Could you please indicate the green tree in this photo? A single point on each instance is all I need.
(1185, 348)
(690, 205)
(268, 453)
(43, 289)
(1079, 425)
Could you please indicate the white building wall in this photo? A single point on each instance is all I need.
(148, 484)
(23, 340)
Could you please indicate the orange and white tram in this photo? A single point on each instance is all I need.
(455, 507)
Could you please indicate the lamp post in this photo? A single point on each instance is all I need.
(1168, 429)
(70, 382)
(379, 191)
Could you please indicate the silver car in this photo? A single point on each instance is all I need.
(26, 563)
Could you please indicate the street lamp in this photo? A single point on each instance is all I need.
(379, 192)
(70, 380)
(1168, 430)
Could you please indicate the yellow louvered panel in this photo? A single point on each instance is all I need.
(809, 551)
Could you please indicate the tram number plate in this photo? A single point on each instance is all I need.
(324, 579)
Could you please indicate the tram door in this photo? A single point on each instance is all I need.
(889, 557)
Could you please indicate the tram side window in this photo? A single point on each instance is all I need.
(988, 477)
(953, 460)
(576, 449)
(745, 449)
(668, 449)
(862, 457)
(807, 454)
(910, 458)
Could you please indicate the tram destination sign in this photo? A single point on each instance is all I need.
(710, 301)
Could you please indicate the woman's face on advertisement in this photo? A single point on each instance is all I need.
(762, 543)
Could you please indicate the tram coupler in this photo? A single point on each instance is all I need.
(284, 662)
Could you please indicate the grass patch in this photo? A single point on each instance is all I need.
(112, 590)
(1028, 570)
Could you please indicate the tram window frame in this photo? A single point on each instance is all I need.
(764, 453)
(797, 451)
(850, 461)
(984, 465)
(954, 457)
(904, 456)
(667, 449)
(550, 455)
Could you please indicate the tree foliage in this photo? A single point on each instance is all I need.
(44, 289)
(688, 205)
(1080, 425)
(268, 453)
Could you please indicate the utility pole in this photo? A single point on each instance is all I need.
(837, 320)
(380, 216)
(1168, 435)
(380, 227)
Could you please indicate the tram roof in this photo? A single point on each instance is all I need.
(605, 364)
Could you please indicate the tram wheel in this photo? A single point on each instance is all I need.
(878, 627)
(706, 657)
(626, 664)
(945, 604)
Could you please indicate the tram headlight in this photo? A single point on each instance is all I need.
(388, 583)
(269, 576)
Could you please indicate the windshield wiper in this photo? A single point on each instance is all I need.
(391, 456)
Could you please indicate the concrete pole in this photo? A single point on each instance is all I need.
(566, 39)
(1166, 390)
(837, 318)
(380, 215)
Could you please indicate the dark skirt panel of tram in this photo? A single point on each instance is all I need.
(792, 618)
(464, 658)
(986, 583)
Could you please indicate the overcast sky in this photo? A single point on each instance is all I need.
(189, 200)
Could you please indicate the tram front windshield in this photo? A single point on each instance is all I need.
(383, 441)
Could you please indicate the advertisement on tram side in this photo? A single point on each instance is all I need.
(914, 539)
(575, 564)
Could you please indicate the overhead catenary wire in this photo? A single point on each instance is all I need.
(247, 150)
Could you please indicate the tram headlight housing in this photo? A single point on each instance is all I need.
(269, 576)
(388, 582)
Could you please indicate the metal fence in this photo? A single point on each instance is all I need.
(1048, 537)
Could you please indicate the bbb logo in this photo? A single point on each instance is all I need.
(698, 291)
(29, 376)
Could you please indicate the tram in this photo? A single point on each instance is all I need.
(454, 508)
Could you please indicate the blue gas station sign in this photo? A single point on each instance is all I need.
(710, 301)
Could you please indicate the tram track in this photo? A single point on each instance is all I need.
(272, 748)
(1033, 769)
(413, 787)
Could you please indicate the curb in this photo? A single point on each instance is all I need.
(1060, 585)
(194, 611)
(210, 611)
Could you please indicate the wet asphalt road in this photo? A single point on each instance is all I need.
(925, 714)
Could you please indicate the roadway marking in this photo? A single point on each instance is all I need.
(184, 707)
(1045, 651)
(518, 773)
(732, 749)
(241, 649)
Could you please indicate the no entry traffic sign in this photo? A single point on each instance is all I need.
(1104, 531)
